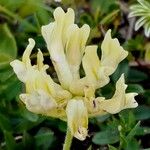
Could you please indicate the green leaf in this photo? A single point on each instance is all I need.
(5, 74)
(142, 112)
(24, 25)
(27, 141)
(132, 145)
(43, 16)
(106, 91)
(108, 18)
(136, 76)
(5, 60)
(105, 6)
(62, 126)
(123, 67)
(21, 124)
(44, 138)
(102, 118)
(133, 131)
(8, 48)
(142, 131)
(9, 139)
(12, 5)
(112, 147)
(127, 120)
(106, 137)
(10, 88)
(90, 147)
(135, 44)
(29, 7)
(5, 123)
(135, 88)
(29, 115)
(147, 53)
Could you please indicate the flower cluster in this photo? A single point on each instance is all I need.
(73, 99)
(141, 10)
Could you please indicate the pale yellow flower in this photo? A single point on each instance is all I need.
(73, 99)
(77, 118)
(66, 44)
(43, 95)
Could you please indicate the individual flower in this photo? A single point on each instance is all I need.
(77, 118)
(73, 98)
(141, 10)
(43, 95)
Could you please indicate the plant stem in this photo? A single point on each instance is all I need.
(68, 140)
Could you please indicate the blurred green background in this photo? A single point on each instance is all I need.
(21, 129)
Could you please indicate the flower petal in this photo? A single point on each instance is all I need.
(20, 70)
(91, 64)
(75, 46)
(77, 118)
(27, 53)
(54, 35)
(21, 67)
(95, 72)
(112, 53)
(38, 102)
(120, 100)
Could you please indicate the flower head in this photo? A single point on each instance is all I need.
(73, 99)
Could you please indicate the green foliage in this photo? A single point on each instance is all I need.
(21, 129)
(8, 52)
(106, 137)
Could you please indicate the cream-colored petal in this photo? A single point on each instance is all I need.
(77, 86)
(61, 95)
(38, 102)
(60, 64)
(40, 60)
(84, 34)
(77, 118)
(75, 46)
(70, 17)
(120, 100)
(103, 77)
(53, 35)
(112, 53)
(20, 70)
(27, 53)
(92, 105)
(91, 64)
(59, 16)
(130, 100)
(21, 67)
(93, 69)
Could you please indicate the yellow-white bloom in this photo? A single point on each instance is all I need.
(40, 96)
(120, 100)
(77, 117)
(112, 54)
(55, 37)
(66, 44)
(74, 98)
(98, 71)
(20, 67)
